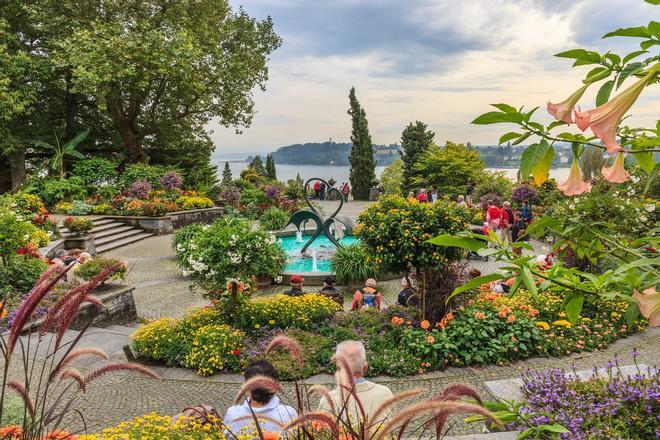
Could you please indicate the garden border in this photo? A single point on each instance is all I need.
(167, 223)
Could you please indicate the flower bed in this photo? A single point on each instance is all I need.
(490, 329)
(614, 407)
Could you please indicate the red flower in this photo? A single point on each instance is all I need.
(236, 352)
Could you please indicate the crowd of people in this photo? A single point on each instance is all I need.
(511, 225)
(320, 190)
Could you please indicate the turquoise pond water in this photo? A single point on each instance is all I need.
(304, 264)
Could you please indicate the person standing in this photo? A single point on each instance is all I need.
(434, 194)
(493, 216)
(518, 232)
(526, 211)
(317, 190)
(346, 190)
(461, 201)
(422, 197)
(322, 191)
(507, 222)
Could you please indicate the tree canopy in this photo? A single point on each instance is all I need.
(415, 140)
(363, 163)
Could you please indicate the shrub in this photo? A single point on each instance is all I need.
(273, 219)
(352, 263)
(171, 181)
(316, 351)
(13, 409)
(154, 426)
(55, 190)
(159, 340)
(79, 226)
(254, 196)
(282, 311)
(16, 232)
(273, 191)
(139, 189)
(294, 189)
(96, 172)
(80, 208)
(231, 195)
(141, 172)
(392, 178)
(62, 207)
(24, 203)
(396, 232)
(215, 348)
(495, 198)
(93, 267)
(102, 209)
(524, 192)
(494, 182)
(148, 208)
(20, 274)
(195, 202)
(227, 249)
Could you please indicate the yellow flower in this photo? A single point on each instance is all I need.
(543, 325)
(562, 323)
(614, 315)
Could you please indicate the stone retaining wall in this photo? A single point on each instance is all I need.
(170, 221)
(118, 308)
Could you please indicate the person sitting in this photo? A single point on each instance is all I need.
(411, 197)
(407, 296)
(461, 201)
(422, 197)
(371, 395)
(367, 297)
(296, 286)
(331, 291)
(261, 404)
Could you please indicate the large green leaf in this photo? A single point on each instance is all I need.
(497, 118)
(597, 74)
(522, 138)
(448, 240)
(536, 161)
(632, 55)
(528, 280)
(506, 108)
(639, 31)
(476, 282)
(651, 262)
(587, 56)
(604, 92)
(654, 28)
(508, 136)
(630, 69)
(574, 307)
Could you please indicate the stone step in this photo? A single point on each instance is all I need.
(103, 221)
(123, 242)
(118, 236)
(106, 226)
(123, 329)
(113, 231)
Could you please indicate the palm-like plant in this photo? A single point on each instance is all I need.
(60, 151)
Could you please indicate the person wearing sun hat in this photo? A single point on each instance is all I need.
(331, 291)
(296, 286)
(367, 297)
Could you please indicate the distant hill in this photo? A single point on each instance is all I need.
(329, 153)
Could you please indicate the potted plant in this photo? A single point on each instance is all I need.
(95, 266)
(353, 265)
(78, 226)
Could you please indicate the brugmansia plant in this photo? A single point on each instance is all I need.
(51, 389)
(636, 277)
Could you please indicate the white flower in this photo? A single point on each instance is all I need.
(634, 179)
(650, 207)
(643, 218)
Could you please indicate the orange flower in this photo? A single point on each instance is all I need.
(60, 435)
(430, 339)
(271, 435)
(479, 315)
(11, 431)
(502, 314)
(563, 111)
(616, 173)
(449, 316)
(397, 320)
(425, 324)
(511, 318)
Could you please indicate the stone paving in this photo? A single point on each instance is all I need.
(162, 291)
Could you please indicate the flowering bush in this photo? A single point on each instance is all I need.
(16, 232)
(139, 189)
(396, 232)
(148, 208)
(79, 226)
(273, 192)
(95, 266)
(62, 207)
(231, 195)
(215, 348)
(187, 203)
(495, 198)
(613, 407)
(227, 249)
(170, 181)
(273, 219)
(524, 192)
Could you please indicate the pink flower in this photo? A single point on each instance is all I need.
(574, 185)
(605, 119)
(648, 301)
(564, 110)
(616, 173)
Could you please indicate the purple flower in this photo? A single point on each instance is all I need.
(273, 191)
(139, 189)
(231, 195)
(171, 181)
(524, 192)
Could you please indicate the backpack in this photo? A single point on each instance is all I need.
(369, 299)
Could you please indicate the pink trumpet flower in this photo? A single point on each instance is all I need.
(605, 119)
(574, 185)
(616, 173)
(563, 111)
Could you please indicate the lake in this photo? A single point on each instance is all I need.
(340, 173)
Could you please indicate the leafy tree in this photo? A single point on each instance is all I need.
(392, 178)
(415, 141)
(227, 178)
(591, 161)
(258, 166)
(60, 151)
(161, 68)
(270, 167)
(451, 168)
(363, 163)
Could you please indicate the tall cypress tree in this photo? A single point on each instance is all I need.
(415, 140)
(258, 165)
(270, 167)
(363, 163)
(227, 178)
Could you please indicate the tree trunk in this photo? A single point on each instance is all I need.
(17, 168)
(127, 131)
(5, 174)
(70, 109)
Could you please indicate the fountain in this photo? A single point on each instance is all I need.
(326, 236)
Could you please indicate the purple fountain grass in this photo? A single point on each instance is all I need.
(119, 366)
(375, 421)
(324, 392)
(20, 389)
(315, 416)
(75, 354)
(76, 375)
(266, 383)
(288, 344)
(455, 391)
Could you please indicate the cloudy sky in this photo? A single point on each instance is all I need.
(438, 61)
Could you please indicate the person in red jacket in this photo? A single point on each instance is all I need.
(493, 216)
(422, 197)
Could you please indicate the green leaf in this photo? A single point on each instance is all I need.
(555, 427)
(528, 280)
(639, 31)
(645, 45)
(556, 124)
(632, 55)
(597, 74)
(476, 282)
(536, 161)
(638, 263)
(581, 55)
(508, 136)
(632, 313)
(526, 433)
(448, 240)
(630, 69)
(506, 108)
(497, 118)
(653, 2)
(574, 307)
(616, 59)
(654, 28)
(522, 138)
(604, 93)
